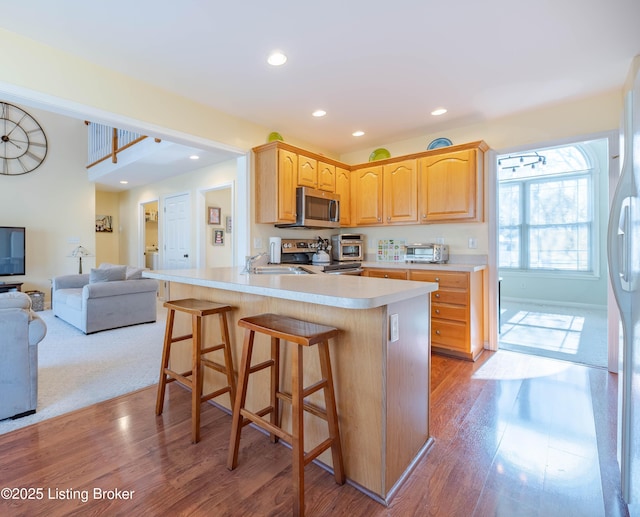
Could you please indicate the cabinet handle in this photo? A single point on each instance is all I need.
(389, 218)
(386, 276)
(437, 311)
(437, 295)
(437, 279)
(438, 332)
(424, 216)
(379, 219)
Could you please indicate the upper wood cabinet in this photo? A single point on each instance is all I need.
(451, 186)
(326, 177)
(343, 187)
(279, 169)
(385, 194)
(276, 177)
(307, 171)
(400, 190)
(366, 199)
(437, 186)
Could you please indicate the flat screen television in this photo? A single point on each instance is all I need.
(12, 250)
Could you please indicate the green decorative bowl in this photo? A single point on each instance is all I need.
(274, 136)
(379, 154)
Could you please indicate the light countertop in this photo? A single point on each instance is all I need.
(345, 291)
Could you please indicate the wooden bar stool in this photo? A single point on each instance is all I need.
(303, 334)
(193, 378)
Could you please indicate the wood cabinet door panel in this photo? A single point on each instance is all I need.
(343, 188)
(449, 186)
(287, 172)
(367, 198)
(401, 192)
(326, 177)
(307, 171)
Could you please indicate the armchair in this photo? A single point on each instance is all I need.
(21, 330)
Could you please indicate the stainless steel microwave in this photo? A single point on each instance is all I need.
(315, 209)
(431, 253)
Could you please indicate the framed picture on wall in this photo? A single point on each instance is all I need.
(218, 237)
(103, 223)
(214, 215)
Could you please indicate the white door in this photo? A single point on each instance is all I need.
(177, 232)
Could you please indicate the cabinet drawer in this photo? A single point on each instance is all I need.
(449, 334)
(445, 279)
(397, 274)
(448, 312)
(446, 296)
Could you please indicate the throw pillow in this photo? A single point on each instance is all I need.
(110, 274)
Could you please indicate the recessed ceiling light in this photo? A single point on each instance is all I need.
(277, 58)
(319, 113)
(124, 182)
(358, 133)
(194, 157)
(439, 111)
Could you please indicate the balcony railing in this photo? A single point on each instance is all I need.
(106, 142)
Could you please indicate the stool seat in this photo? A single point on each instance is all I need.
(193, 379)
(197, 307)
(289, 329)
(302, 334)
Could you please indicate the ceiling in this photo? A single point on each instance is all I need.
(374, 66)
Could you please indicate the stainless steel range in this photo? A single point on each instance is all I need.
(301, 251)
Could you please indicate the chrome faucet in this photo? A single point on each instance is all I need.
(248, 266)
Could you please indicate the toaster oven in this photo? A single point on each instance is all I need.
(427, 253)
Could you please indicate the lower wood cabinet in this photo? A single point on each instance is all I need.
(457, 308)
(456, 312)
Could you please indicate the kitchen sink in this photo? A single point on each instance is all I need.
(281, 270)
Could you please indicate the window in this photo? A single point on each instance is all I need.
(547, 210)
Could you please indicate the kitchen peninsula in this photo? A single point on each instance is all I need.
(381, 375)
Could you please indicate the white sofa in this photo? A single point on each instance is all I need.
(21, 330)
(108, 297)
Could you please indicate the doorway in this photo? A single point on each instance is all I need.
(553, 205)
(150, 241)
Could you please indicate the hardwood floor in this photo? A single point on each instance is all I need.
(515, 435)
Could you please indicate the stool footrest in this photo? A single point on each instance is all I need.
(268, 426)
(215, 394)
(262, 412)
(181, 338)
(213, 365)
(320, 448)
(212, 348)
(308, 406)
(261, 366)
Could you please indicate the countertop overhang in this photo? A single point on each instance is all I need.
(345, 291)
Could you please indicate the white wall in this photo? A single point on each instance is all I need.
(195, 183)
(219, 255)
(55, 203)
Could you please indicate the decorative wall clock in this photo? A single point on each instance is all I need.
(23, 144)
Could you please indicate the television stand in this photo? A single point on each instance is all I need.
(5, 287)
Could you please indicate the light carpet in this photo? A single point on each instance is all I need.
(77, 370)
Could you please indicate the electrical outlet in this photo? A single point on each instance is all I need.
(473, 243)
(394, 331)
(257, 243)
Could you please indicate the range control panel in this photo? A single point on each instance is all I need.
(299, 245)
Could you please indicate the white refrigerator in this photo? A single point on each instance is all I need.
(624, 270)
